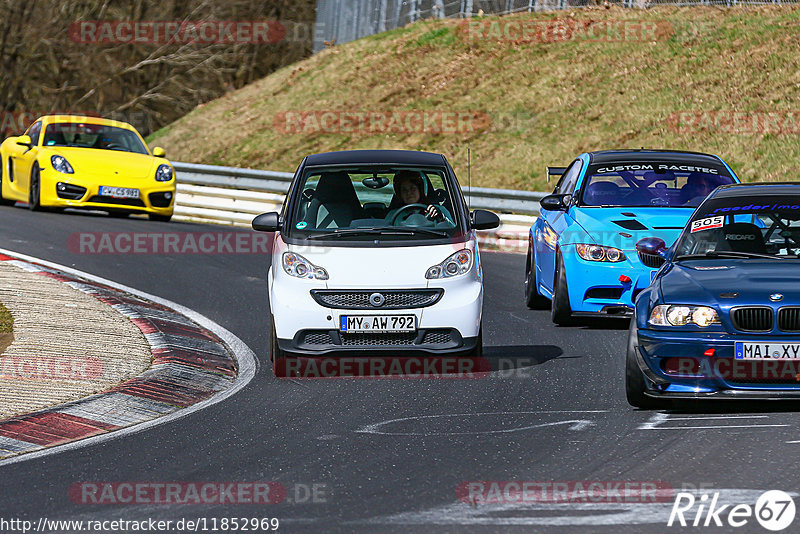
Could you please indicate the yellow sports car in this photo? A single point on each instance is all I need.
(66, 161)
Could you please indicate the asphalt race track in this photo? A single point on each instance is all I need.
(388, 455)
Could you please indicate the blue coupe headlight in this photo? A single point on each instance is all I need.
(61, 164)
(678, 315)
(599, 253)
(164, 173)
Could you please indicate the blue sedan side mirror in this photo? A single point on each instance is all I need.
(652, 245)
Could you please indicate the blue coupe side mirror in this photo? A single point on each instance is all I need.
(554, 202)
(652, 245)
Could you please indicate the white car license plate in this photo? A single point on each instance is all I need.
(118, 192)
(377, 323)
(767, 351)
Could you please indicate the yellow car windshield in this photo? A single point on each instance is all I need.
(98, 136)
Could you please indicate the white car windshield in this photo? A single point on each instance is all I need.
(362, 202)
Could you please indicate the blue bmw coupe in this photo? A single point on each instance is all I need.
(722, 317)
(581, 252)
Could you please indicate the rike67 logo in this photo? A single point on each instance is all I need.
(774, 510)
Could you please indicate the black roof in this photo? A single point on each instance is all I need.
(746, 190)
(403, 157)
(617, 156)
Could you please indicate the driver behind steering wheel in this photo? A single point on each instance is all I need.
(409, 188)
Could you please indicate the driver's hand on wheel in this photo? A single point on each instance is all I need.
(433, 213)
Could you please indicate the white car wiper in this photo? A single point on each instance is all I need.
(377, 231)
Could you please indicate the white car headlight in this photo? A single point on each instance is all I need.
(599, 253)
(299, 267)
(163, 173)
(456, 264)
(678, 315)
(61, 164)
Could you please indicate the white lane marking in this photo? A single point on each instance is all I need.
(713, 426)
(245, 358)
(719, 417)
(555, 514)
(657, 421)
(795, 441)
(575, 424)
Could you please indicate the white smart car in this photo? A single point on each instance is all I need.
(375, 254)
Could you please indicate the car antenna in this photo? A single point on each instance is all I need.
(469, 178)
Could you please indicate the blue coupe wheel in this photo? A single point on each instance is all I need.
(561, 311)
(532, 297)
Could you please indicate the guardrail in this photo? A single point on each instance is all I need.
(233, 196)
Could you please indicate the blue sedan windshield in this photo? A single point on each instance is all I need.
(762, 225)
(666, 185)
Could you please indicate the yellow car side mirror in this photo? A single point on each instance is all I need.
(24, 140)
(159, 152)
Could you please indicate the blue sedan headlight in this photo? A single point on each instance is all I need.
(164, 173)
(679, 315)
(61, 164)
(599, 253)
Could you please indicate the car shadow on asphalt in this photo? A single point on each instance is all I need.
(509, 357)
(733, 406)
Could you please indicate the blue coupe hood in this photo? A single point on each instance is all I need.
(606, 225)
(703, 281)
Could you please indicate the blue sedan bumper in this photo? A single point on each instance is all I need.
(703, 365)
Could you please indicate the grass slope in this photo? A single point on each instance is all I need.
(548, 101)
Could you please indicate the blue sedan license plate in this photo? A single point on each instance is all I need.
(377, 323)
(767, 351)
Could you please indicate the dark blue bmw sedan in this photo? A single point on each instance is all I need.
(722, 316)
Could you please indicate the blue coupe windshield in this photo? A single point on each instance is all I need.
(667, 185)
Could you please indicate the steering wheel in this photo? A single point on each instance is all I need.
(113, 146)
(412, 208)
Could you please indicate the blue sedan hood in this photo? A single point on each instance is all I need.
(606, 225)
(703, 281)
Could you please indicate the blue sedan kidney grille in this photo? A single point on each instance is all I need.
(789, 319)
(654, 261)
(752, 318)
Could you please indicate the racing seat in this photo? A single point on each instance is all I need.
(599, 193)
(745, 237)
(335, 203)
